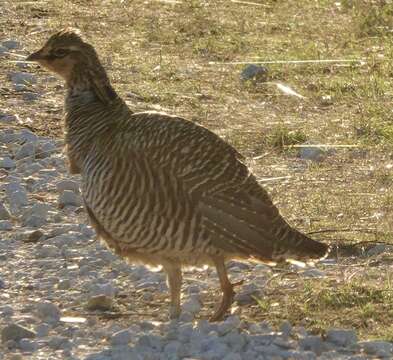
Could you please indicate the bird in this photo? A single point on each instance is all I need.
(159, 189)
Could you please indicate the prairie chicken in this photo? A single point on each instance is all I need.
(159, 189)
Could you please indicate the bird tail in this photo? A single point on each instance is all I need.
(252, 227)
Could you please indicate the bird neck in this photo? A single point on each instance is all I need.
(91, 80)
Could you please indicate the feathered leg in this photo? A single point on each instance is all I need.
(174, 281)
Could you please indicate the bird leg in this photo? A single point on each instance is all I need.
(227, 290)
(174, 280)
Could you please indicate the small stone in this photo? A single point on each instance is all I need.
(59, 342)
(3, 51)
(100, 302)
(16, 332)
(326, 100)
(5, 225)
(27, 150)
(186, 317)
(42, 330)
(26, 136)
(48, 250)
(69, 198)
(33, 236)
(30, 96)
(7, 163)
(374, 250)
(313, 273)
(71, 185)
(122, 337)
(254, 72)
(36, 216)
(22, 78)
(11, 44)
(233, 356)
(286, 328)
(313, 343)
(6, 310)
(4, 213)
(27, 345)
(342, 338)
(378, 348)
(232, 322)
(48, 312)
(106, 289)
(193, 305)
(312, 153)
(64, 284)
(8, 119)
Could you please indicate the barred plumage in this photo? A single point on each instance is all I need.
(161, 189)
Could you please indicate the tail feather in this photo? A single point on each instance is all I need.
(253, 227)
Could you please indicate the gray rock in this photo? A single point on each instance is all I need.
(27, 150)
(16, 332)
(26, 135)
(106, 289)
(17, 200)
(233, 356)
(64, 284)
(312, 153)
(286, 328)
(48, 250)
(5, 225)
(254, 72)
(342, 338)
(247, 294)
(46, 148)
(100, 302)
(313, 343)
(22, 78)
(48, 312)
(42, 330)
(11, 44)
(377, 250)
(31, 96)
(232, 322)
(8, 119)
(33, 236)
(28, 345)
(313, 273)
(378, 348)
(186, 317)
(69, 198)
(71, 185)
(3, 51)
(36, 216)
(4, 213)
(59, 342)
(122, 337)
(6, 311)
(193, 305)
(7, 163)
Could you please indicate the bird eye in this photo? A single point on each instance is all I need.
(60, 53)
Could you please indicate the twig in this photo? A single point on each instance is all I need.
(365, 230)
(274, 179)
(324, 61)
(248, 3)
(321, 146)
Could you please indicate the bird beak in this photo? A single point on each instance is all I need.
(35, 56)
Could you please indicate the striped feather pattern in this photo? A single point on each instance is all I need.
(162, 185)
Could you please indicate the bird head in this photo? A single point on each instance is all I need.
(67, 54)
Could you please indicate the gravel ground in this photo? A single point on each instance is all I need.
(64, 296)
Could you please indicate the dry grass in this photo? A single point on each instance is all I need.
(175, 55)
